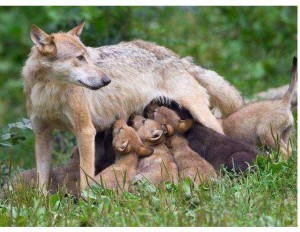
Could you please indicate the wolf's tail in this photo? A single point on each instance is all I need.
(287, 98)
(222, 95)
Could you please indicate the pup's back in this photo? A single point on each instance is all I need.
(220, 149)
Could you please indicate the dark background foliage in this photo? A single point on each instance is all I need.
(252, 47)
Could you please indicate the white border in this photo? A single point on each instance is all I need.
(149, 3)
(159, 3)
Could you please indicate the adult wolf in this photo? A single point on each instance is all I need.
(61, 76)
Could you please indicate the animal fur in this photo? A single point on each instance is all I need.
(65, 175)
(159, 167)
(128, 148)
(214, 147)
(61, 76)
(223, 96)
(265, 122)
(189, 163)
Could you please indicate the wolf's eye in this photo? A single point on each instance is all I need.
(81, 58)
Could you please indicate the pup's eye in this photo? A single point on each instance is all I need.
(81, 58)
(143, 121)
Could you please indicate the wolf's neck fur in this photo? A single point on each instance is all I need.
(45, 96)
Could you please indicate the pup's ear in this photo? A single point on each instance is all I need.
(185, 125)
(145, 151)
(168, 130)
(77, 30)
(41, 39)
(156, 135)
(123, 146)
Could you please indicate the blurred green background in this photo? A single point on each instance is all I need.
(252, 47)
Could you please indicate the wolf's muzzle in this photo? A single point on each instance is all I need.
(95, 83)
(106, 80)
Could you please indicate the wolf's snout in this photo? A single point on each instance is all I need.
(106, 80)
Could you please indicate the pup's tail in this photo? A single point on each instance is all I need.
(287, 98)
(222, 94)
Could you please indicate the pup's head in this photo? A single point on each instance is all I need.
(126, 140)
(166, 116)
(150, 131)
(66, 58)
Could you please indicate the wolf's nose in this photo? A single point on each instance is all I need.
(106, 80)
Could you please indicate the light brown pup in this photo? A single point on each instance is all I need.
(189, 163)
(266, 122)
(61, 82)
(64, 175)
(159, 167)
(128, 147)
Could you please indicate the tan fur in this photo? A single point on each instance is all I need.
(189, 163)
(264, 123)
(159, 167)
(128, 147)
(60, 73)
(65, 175)
(223, 96)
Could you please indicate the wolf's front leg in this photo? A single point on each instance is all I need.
(43, 154)
(86, 144)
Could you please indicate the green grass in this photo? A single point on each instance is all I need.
(267, 197)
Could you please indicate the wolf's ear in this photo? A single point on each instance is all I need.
(145, 151)
(168, 129)
(77, 30)
(39, 37)
(184, 125)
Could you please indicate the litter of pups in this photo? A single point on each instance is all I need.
(170, 145)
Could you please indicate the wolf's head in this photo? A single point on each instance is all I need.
(66, 58)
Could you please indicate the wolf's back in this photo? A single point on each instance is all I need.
(222, 94)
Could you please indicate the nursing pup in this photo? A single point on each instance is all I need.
(266, 122)
(64, 175)
(189, 163)
(159, 167)
(214, 147)
(128, 148)
(61, 81)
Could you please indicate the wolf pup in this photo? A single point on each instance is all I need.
(64, 175)
(159, 167)
(61, 82)
(216, 148)
(265, 122)
(189, 163)
(128, 148)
